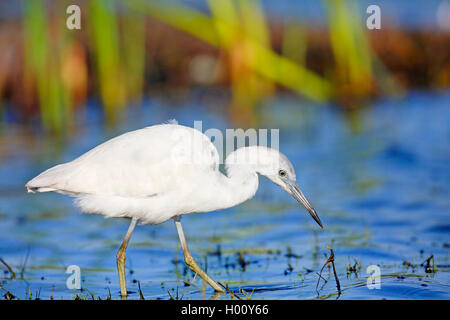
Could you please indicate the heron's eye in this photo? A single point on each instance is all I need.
(282, 173)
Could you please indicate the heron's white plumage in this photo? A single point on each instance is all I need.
(159, 172)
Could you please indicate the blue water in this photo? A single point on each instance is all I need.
(379, 179)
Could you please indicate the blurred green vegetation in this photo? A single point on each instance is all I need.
(42, 64)
(123, 45)
(239, 29)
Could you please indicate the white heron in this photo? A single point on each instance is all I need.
(161, 172)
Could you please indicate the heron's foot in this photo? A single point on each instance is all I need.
(192, 264)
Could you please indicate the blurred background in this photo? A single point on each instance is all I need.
(363, 115)
(127, 51)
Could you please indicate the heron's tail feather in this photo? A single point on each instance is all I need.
(49, 180)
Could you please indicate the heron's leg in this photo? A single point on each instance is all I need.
(121, 257)
(191, 263)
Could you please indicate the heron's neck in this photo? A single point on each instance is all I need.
(241, 181)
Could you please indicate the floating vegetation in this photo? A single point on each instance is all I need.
(11, 272)
(246, 294)
(288, 270)
(354, 268)
(232, 294)
(141, 295)
(8, 295)
(290, 254)
(330, 261)
(429, 265)
(408, 264)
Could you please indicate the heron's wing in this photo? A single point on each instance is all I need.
(141, 163)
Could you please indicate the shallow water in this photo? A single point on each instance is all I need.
(378, 178)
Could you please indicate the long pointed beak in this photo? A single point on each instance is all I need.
(300, 197)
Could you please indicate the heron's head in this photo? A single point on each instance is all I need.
(275, 166)
(281, 172)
